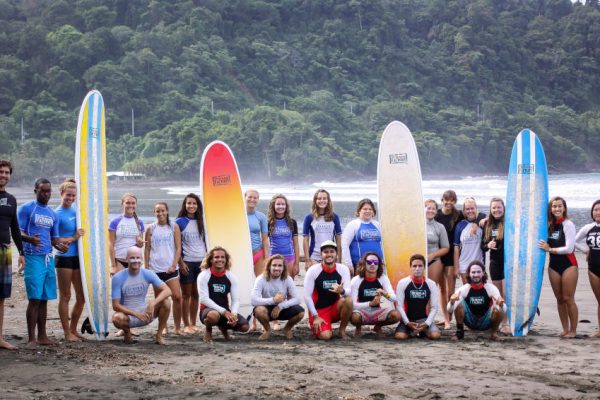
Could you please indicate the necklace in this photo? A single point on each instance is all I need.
(415, 286)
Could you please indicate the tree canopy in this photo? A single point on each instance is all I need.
(300, 89)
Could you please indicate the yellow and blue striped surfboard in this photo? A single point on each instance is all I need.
(92, 211)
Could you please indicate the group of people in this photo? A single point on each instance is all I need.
(345, 276)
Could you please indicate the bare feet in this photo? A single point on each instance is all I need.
(265, 336)
(189, 330)
(119, 333)
(378, 329)
(225, 333)
(446, 325)
(208, 338)
(5, 345)
(597, 334)
(494, 337)
(165, 332)
(80, 336)
(343, 336)
(563, 334)
(570, 335)
(505, 330)
(288, 333)
(276, 326)
(177, 332)
(31, 345)
(358, 332)
(71, 337)
(196, 328)
(160, 340)
(47, 342)
(134, 332)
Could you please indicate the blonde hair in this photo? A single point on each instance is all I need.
(69, 183)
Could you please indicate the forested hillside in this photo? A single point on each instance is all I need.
(300, 89)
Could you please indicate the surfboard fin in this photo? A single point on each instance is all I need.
(86, 327)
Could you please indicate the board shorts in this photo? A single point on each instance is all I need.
(167, 276)
(285, 314)
(289, 259)
(193, 272)
(476, 323)
(68, 262)
(135, 322)
(329, 315)
(40, 277)
(258, 255)
(496, 271)
(5, 271)
(373, 315)
(222, 324)
(403, 328)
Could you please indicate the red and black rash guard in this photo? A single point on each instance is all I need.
(214, 289)
(319, 280)
(417, 300)
(478, 300)
(562, 239)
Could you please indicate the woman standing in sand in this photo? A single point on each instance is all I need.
(320, 225)
(493, 241)
(361, 235)
(437, 247)
(193, 250)
(283, 233)
(588, 241)
(124, 231)
(67, 263)
(562, 269)
(257, 223)
(163, 250)
(448, 216)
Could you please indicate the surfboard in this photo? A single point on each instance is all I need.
(525, 224)
(400, 198)
(225, 218)
(92, 211)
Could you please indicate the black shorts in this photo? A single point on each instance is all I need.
(448, 258)
(222, 324)
(166, 276)
(594, 269)
(69, 262)
(192, 276)
(496, 271)
(285, 314)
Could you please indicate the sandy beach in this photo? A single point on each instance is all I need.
(538, 366)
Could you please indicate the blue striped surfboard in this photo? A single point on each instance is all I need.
(92, 211)
(525, 224)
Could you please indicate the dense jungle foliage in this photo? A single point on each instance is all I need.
(300, 89)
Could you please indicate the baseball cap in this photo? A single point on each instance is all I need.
(328, 243)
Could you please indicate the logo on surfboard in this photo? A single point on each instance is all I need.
(221, 180)
(400, 158)
(526, 169)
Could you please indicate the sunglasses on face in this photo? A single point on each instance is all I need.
(373, 262)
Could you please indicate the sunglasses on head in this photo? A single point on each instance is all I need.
(373, 262)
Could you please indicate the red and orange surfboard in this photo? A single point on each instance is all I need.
(225, 218)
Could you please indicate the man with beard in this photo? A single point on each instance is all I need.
(477, 304)
(327, 294)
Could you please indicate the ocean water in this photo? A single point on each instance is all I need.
(579, 190)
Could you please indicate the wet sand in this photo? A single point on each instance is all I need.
(538, 366)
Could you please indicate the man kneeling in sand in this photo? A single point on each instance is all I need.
(275, 297)
(216, 285)
(477, 304)
(418, 299)
(129, 290)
